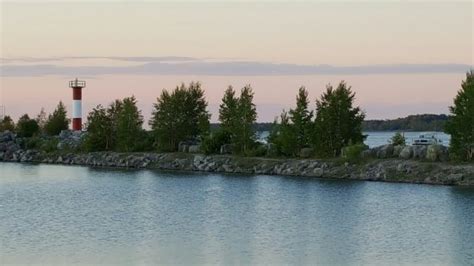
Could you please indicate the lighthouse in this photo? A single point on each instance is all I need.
(77, 86)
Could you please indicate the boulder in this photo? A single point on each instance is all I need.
(419, 151)
(397, 150)
(6, 136)
(406, 152)
(437, 152)
(306, 152)
(194, 148)
(385, 151)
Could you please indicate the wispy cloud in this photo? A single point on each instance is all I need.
(175, 65)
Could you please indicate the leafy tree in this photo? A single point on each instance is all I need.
(7, 124)
(398, 139)
(26, 127)
(113, 112)
(337, 122)
(228, 114)
(247, 114)
(129, 125)
(41, 119)
(99, 130)
(461, 121)
(283, 136)
(179, 115)
(57, 121)
(301, 119)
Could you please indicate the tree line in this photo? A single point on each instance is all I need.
(181, 115)
(27, 127)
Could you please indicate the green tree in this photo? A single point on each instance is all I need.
(179, 115)
(113, 112)
(41, 119)
(27, 127)
(301, 119)
(461, 121)
(99, 130)
(57, 121)
(129, 125)
(247, 113)
(7, 124)
(398, 139)
(337, 122)
(228, 113)
(282, 136)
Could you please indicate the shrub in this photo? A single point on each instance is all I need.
(353, 152)
(398, 139)
(211, 144)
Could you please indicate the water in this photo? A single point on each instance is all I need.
(66, 215)
(375, 138)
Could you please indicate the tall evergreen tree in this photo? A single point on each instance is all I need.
(129, 125)
(228, 114)
(245, 134)
(57, 121)
(179, 115)
(337, 122)
(301, 119)
(461, 121)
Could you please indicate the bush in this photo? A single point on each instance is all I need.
(211, 144)
(398, 139)
(258, 150)
(27, 127)
(353, 152)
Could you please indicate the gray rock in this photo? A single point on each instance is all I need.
(419, 151)
(406, 152)
(194, 148)
(385, 151)
(437, 152)
(397, 150)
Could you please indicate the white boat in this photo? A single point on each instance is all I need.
(427, 139)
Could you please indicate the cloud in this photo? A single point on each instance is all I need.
(174, 65)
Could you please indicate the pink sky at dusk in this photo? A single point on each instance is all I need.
(400, 58)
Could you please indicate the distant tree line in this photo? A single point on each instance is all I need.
(423, 122)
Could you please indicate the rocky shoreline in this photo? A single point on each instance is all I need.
(387, 170)
(388, 163)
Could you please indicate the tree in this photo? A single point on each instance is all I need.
(398, 139)
(247, 115)
(282, 136)
(228, 113)
(57, 121)
(27, 127)
(179, 115)
(129, 125)
(461, 121)
(99, 130)
(41, 119)
(7, 124)
(337, 122)
(301, 119)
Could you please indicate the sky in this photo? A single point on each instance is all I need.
(400, 57)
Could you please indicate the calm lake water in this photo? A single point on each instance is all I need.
(66, 214)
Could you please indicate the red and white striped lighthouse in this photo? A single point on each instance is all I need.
(77, 86)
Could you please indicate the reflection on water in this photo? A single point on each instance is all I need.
(57, 214)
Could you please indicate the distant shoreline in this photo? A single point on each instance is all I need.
(385, 170)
